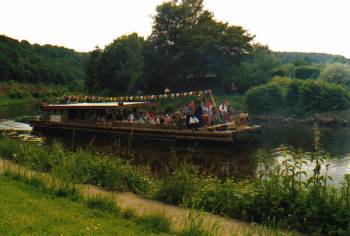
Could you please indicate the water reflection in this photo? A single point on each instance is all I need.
(238, 160)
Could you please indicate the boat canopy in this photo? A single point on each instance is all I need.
(101, 105)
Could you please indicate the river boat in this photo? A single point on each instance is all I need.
(102, 116)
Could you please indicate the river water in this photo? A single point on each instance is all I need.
(238, 160)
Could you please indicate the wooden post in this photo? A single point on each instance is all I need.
(113, 115)
(80, 117)
(216, 113)
(74, 138)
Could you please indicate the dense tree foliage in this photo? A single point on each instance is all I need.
(24, 62)
(191, 48)
(117, 68)
(256, 69)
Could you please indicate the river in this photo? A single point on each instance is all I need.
(238, 160)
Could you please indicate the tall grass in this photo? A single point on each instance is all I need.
(81, 166)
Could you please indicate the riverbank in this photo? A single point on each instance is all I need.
(152, 217)
(275, 198)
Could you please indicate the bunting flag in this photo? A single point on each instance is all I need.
(74, 99)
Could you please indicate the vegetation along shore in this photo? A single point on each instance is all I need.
(280, 196)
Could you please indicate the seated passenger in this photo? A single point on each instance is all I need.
(131, 118)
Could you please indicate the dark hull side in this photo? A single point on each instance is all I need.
(135, 131)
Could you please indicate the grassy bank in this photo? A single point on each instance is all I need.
(27, 211)
(152, 215)
(281, 196)
(20, 93)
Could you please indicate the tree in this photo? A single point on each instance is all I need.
(337, 73)
(117, 68)
(187, 42)
(91, 69)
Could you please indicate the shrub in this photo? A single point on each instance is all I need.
(297, 96)
(321, 96)
(264, 98)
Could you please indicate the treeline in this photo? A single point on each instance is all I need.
(187, 49)
(310, 58)
(23, 62)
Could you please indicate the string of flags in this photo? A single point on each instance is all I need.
(135, 98)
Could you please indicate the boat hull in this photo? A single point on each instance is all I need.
(137, 131)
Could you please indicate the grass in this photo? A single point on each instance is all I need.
(12, 92)
(5, 101)
(27, 211)
(155, 223)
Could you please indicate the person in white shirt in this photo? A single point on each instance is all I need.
(224, 111)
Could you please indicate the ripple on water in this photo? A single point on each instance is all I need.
(10, 125)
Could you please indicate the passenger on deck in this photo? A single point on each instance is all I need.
(207, 112)
(189, 112)
(198, 113)
(131, 118)
(223, 110)
(228, 116)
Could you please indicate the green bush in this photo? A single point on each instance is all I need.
(319, 96)
(297, 97)
(307, 72)
(264, 98)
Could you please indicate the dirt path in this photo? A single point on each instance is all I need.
(180, 218)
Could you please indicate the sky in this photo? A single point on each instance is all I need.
(283, 25)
